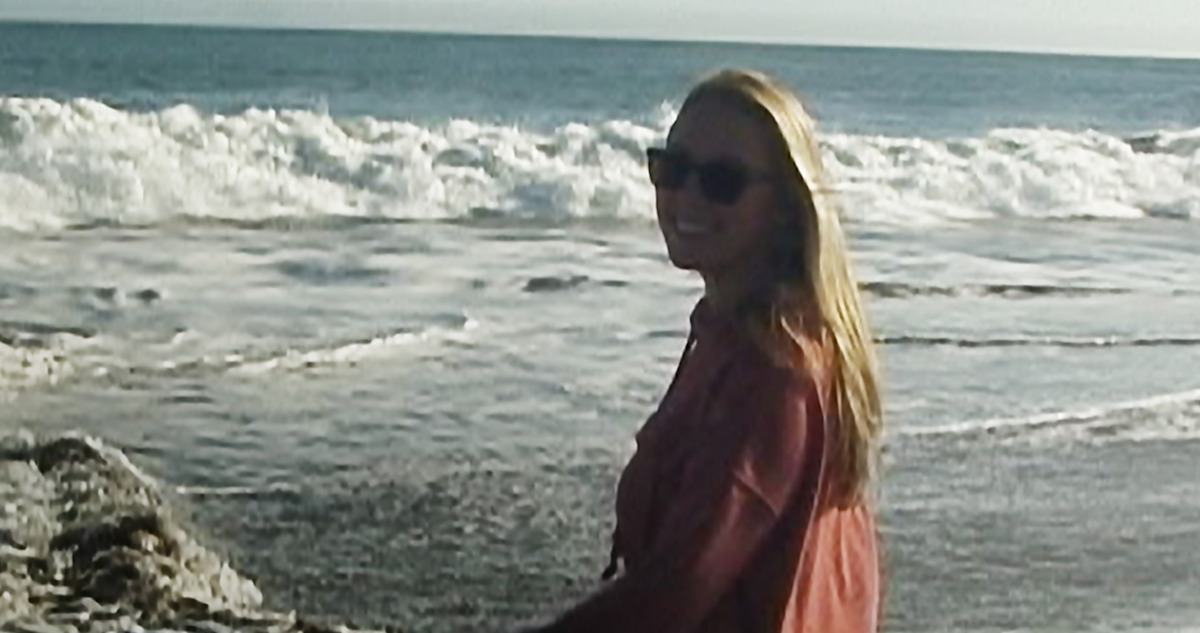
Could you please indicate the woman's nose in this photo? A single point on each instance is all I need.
(691, 193)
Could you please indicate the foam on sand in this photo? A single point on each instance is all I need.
(1165, 417)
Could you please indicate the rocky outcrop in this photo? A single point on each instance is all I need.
(88, 545)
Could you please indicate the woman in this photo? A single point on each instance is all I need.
(747, 506)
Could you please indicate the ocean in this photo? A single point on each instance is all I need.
(368, 320)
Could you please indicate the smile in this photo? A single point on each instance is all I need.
(691, 228)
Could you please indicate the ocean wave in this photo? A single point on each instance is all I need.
(1040, 341)
(81, 163)
(902, 290)
(1165, 417)
(346, 354)
(292, 359)
(568, 282)
(240, 491)
(56, 355)
(1019, 173)
(88, 542)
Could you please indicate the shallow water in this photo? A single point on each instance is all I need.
(434, 442)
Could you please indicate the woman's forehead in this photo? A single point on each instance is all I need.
(714, 128)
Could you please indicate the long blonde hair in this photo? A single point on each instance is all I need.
(813, 314)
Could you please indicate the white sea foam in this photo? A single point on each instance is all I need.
(22, 368)
(239, 491)
(252, 362)
(1161, 417)
(1019, 173)
(64, 357)
(80, 162)
(350, 353)
(1082, 342)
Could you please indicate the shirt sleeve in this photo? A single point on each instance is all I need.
(734, 493)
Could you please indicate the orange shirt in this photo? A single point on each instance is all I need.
(724, 518)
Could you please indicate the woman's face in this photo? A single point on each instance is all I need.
(717, 238)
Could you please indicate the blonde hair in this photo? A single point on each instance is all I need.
(813, 314)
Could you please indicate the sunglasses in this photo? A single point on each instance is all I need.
(722, 181)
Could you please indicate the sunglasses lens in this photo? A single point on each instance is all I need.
(722, 183)
(667, 170)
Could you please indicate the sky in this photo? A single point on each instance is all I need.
(1168, 28)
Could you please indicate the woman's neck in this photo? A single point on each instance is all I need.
(728, 293)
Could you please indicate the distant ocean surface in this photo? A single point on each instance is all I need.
(376, 315)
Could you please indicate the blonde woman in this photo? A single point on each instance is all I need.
(748, 504)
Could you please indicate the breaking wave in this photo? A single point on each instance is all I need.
(81, 163)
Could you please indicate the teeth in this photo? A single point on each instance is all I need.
(692, 228)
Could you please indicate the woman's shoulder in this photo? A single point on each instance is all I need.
(778, 428)
(779, 378)
(765, 403)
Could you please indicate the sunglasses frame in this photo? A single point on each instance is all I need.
(722, 181)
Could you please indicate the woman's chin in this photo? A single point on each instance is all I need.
(684, 260)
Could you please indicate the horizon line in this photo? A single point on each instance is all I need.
(616, 37)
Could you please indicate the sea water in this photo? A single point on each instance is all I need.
(374, 316)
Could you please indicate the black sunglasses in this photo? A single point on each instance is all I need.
(722, 181)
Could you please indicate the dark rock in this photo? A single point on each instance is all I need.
(120, 563)
(552, 284)
(39, 627)
(191, 608)
(110, 585)
(244, 621)
(149, 295)
(65, 450)
(109, 293)
(128, 532)
(207, 627)
(8, 538)
(313, 626)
